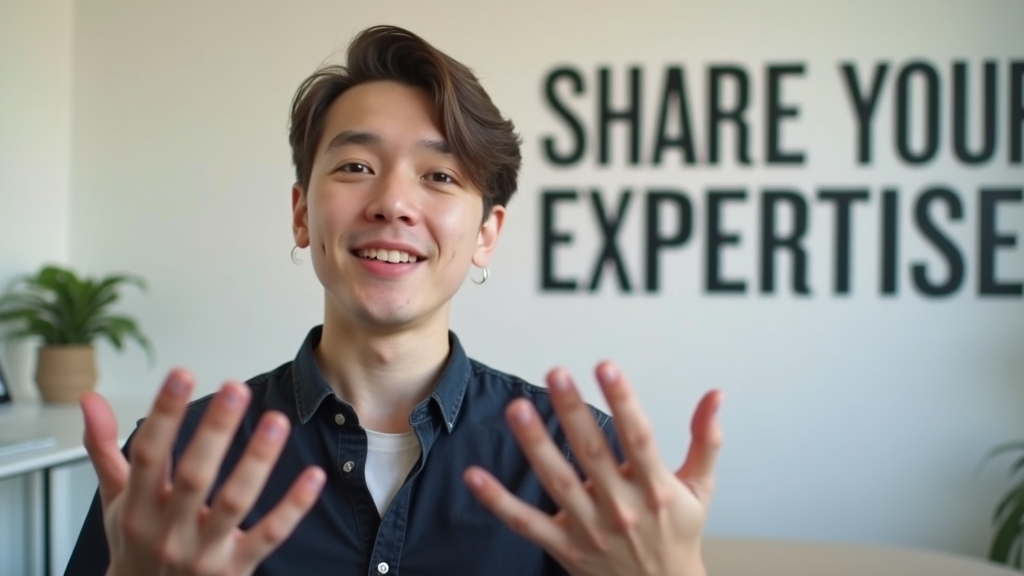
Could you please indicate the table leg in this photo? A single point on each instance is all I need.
(34, 523)
(47, 526)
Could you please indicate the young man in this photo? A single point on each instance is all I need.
(382, 448)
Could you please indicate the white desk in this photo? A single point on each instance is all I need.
(735, 557)
(63, 423)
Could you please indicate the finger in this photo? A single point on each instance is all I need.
(238, 494)
(101, 443)
(634, 432)
(276, 526)
(198, 466)
(150, 449)
(698, 471)
(549, 463)
(588, 442)
(521, 517)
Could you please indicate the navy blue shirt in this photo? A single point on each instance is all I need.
(434, 525)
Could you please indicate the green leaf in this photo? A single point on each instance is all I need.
(15, 301)
(63, 308)
(100, 302)
(1008, 534)
(110, 284)
(1016, 446)
(145, 344)
(21, 334)
(1014, 496)
(115, 338)
(51, 334)
(18, 315)
(118, 328)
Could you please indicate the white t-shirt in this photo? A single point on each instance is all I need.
(389, 458)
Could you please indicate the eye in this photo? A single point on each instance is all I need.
(355, 168)
(440, 177)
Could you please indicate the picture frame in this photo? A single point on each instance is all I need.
(5, 391)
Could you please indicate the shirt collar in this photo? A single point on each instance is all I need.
(311, 388)
(307, 381)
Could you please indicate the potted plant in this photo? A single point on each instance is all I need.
(68, 314)
(1008, 542)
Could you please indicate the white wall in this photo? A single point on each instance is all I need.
(35, 179)
(856, 418)
(35, 146)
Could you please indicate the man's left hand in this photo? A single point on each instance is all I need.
(631, 519)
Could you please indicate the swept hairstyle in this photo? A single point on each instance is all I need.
(484, 142)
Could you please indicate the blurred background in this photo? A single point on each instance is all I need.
(150, 137)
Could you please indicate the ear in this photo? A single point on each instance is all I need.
(487, 238)
(300, 217)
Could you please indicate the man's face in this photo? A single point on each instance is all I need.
(390, 217)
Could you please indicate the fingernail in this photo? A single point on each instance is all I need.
(475, 480)
(176, 385)
(315, 480)
(272, 430)
(231, 397)
(560, 380)
(608, 374)
(521, 415)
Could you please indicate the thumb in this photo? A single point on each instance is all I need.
(698, 472)
(101, 444)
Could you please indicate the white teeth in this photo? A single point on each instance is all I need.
(392, 256)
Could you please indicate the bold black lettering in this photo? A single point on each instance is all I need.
(772, 242)
(579, 135)
(775, 112)
(717, 113)
(1016, 112)
(864, 106)
(931, 110)
(609, 227)
(990, 240)
(960, 130)
(717, 239)
(549, 238)
(844, 199)
(630, 114)
(890, 248)
(940, 241)
(675, 91)
(656, 199)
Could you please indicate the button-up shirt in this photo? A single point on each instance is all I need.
(434, 525)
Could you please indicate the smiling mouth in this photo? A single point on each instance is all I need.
(391, 256)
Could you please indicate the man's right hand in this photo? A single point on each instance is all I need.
(159, 524)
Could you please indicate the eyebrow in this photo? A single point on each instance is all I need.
(439, 146)
(352, 138)
(356, 138)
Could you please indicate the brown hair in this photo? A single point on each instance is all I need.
(480, 139)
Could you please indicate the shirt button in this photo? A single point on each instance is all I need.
(383, 568)
(339, 419)
(347, 467)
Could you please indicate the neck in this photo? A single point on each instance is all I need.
(382, 373)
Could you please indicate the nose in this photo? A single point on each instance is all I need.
(394, 199)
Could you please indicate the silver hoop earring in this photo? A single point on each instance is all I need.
(485, 274)
(295, 259)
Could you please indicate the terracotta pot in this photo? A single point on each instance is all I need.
(65, 373)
